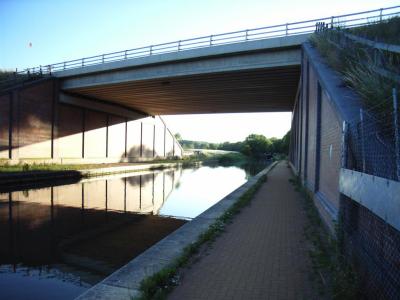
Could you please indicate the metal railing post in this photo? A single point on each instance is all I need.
(151, 50)
(83, 62)
(126, 54)
(247, 35)
(286, 29)
(211, 37)
(102, 59)
(380, 15)
(396, 132)
(362, 139)
(179, 46)
(332, 22)
(64, 65)
(345, 129)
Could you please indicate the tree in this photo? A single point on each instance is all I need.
(285, 143)
(256, 145)
(178, 136)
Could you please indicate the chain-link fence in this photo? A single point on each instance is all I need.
(373, 140)
(372, 70)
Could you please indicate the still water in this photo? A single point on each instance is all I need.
(59, 240)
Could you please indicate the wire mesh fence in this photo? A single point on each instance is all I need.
(373, 140)
(372, 70)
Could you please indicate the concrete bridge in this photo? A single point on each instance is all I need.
(105, 108)
(251, 76)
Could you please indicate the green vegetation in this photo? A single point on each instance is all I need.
(360, 66)
(187, 161)
(160, 284)
(334, 274)
(4, 75)
(387, 31)
(25, 167)
(255, 145)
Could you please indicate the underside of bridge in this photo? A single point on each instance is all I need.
(259, 90)
(253, 76)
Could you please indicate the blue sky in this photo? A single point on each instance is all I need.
(65, 30)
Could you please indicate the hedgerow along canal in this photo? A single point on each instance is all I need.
(58, 241)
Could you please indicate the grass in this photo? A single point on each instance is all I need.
(387, 31)
(160, 284)
(25, 167)
(8, 78)
(334, 275)
(357, 63)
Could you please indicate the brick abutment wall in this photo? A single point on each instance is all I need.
(322, 104)
(36, 127)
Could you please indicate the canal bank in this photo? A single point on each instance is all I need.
(125, 283)
(99, 224)
(35, 176)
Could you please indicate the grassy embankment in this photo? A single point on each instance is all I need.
(358, 64)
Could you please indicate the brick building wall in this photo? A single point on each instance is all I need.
(316, 155)
(5, 101)
(316, 143)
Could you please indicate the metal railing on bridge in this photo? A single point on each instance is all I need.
(281, 30)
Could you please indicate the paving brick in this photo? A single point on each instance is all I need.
(261, 255)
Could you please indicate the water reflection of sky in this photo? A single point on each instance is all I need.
(42, 229)
(29, 283)
(200, 189)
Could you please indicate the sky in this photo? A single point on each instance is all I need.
(40, 32)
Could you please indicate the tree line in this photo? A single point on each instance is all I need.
(255, 145)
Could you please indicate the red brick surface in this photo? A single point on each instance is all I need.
(4, 125)
(262, 254)
(330, 152)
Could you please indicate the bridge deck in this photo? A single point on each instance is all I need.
(253, 76)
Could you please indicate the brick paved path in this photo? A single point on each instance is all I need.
(262, 254)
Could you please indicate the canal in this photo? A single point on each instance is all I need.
(59, 240)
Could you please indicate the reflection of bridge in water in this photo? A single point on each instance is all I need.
(143, 192)
(34, 223)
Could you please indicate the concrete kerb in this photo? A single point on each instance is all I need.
(125, 282)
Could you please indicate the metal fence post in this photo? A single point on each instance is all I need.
(396, 132)
(362, 139)
(286, 28)
(247, 35)
(211, 37)
(179, 46)
(151, 50)
(345, 128)
(332, 22)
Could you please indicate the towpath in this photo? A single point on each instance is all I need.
(261, 255)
